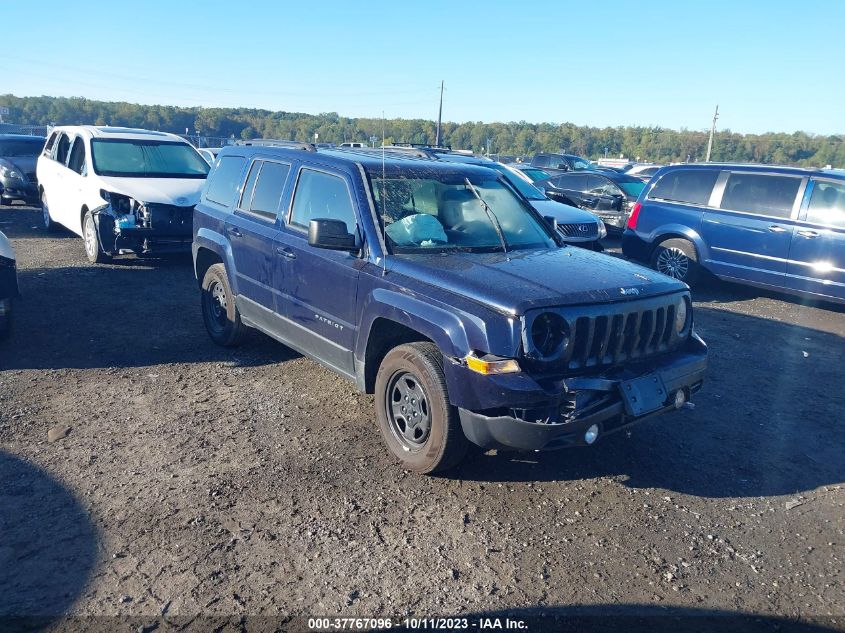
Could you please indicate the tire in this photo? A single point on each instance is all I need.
(91, 239)
(5, 318)
(435, 441)
(677, 258)
(219, 312)
(49, 224)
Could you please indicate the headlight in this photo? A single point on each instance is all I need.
(602, 230)
(681, 315)
(549, 335)
(10, 172)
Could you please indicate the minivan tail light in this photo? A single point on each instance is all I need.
(635, 215)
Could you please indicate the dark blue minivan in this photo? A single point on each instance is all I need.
(773, 227)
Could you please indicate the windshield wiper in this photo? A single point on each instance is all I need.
(493, 219)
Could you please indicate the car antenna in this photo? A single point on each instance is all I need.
(492, 217)
(383, 201)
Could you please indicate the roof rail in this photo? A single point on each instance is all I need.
(422, 145)
(273, 142)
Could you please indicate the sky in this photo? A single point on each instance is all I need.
(770, 65)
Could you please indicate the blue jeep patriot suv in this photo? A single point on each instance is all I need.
(437, 287)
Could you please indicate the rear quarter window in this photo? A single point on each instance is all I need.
(225, 180)
(827, 204)
(760, 194)
(691, 186)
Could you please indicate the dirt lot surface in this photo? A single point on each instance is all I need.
(190, 479)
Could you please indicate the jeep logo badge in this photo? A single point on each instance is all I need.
(629, 291)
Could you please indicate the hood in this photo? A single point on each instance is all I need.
(536, 278)
(563, 213)
(24, 164)
(6, 249)
(183, 192)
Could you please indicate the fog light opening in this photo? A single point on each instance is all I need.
(592, 434)
(680, 398)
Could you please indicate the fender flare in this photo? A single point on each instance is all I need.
(443, 327)
(221, 247)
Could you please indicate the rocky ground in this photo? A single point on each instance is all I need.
(145, 471)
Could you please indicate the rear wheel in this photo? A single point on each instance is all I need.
(45, 212)
(419, 425)
(677, 258)
(5, 317)
(219, 312)
(93, 247)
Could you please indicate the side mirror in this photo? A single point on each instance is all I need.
(552, 221)
(563, 166)
(541, 190)
(331, 235)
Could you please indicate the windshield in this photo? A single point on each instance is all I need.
(431, 211)
(147, 159)
(521, 185)
(21, 148)
(580, 164)
(631, 187)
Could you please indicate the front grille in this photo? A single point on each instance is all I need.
(168, 216)
(611, 334)
(583, 229)
(612, 339)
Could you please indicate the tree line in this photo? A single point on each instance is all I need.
(520, 138)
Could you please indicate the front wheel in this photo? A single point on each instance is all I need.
(419, 425)
(677, 258)
(219, 312)
(93, 247)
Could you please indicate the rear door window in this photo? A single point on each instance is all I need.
(62, 148)
(827, 204)
(571, 182)
(324, 196)
(225, 179)
(692, 186)
(268, 190)
(760, 194)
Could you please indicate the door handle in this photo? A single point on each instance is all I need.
(233, 231)
(808, 233)
(284, 251)
(775, 228)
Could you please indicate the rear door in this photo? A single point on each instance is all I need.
(750, 232)
(321, 285)
(56, 183)
(817, 255)
(252, 231)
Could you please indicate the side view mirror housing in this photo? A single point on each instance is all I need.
(331, 235)
(552, 221)
(563, 166)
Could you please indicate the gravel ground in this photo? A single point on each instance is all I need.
(186, 479)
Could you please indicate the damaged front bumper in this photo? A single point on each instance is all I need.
(602, 403)
(154, 228)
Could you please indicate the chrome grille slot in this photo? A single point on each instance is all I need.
(582, 229)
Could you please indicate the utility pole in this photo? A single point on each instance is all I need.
(712, 132)
(439, 116)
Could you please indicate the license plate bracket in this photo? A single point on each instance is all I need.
(643, 395)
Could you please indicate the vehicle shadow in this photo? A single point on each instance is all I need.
(132, 313)
(642, 618)
(767, 422)
(48, 547)
(24, 222)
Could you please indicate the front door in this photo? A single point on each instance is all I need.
(817, 256)
(749, 235)
(321, 285)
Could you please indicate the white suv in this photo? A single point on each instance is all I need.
(122, 190)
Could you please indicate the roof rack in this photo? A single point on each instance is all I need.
(422, 145)
(274, 142)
